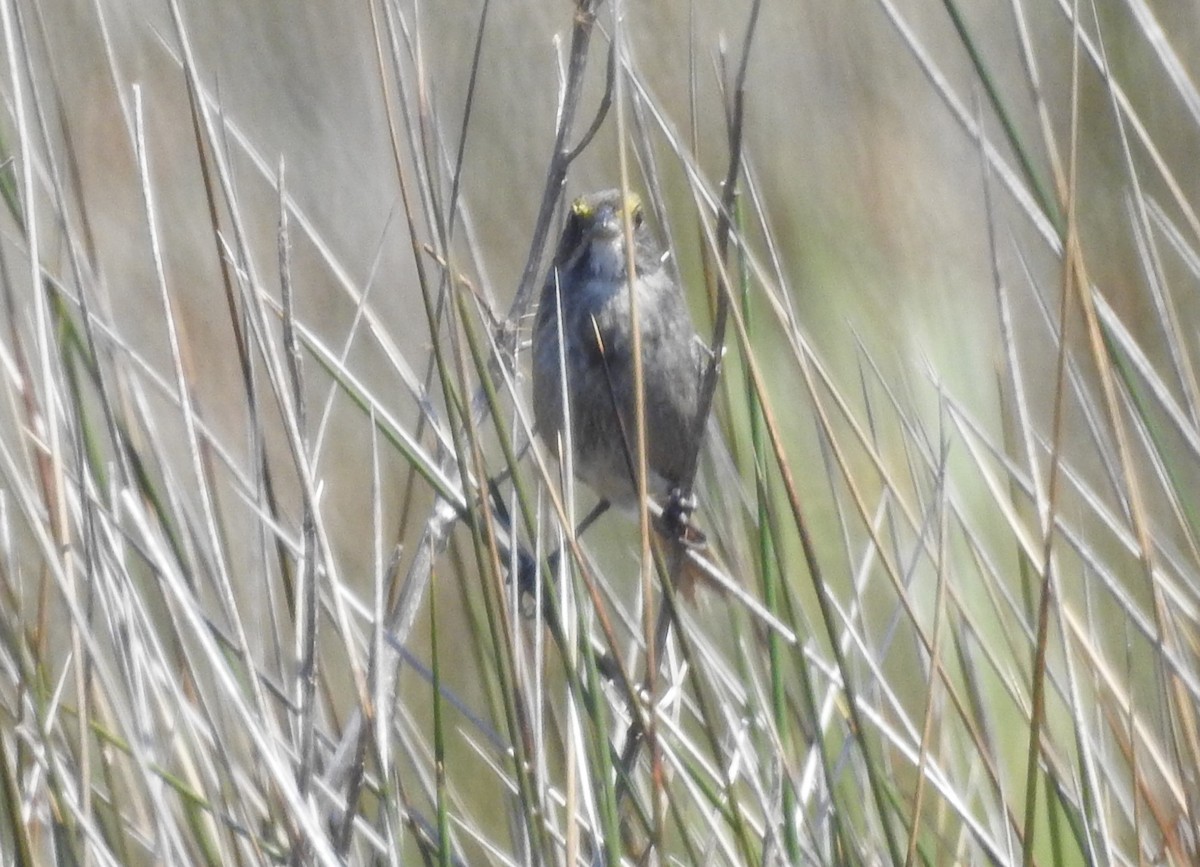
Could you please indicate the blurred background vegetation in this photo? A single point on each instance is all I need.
(965, 251)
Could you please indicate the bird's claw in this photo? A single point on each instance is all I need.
(676, 520)
(527, 580)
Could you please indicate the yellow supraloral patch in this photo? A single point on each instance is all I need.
(584, 209)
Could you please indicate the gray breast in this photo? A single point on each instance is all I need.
(601, 382)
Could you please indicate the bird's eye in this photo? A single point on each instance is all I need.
(638, 218)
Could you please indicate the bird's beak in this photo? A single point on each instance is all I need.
(608, 223)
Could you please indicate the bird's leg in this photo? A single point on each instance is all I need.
(591, 517)
(527, 568)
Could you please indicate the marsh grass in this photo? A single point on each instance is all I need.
(979, 642)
